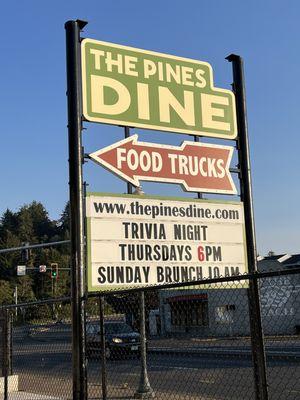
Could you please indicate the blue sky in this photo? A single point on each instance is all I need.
(33, 160)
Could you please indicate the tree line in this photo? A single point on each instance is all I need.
(32, 224)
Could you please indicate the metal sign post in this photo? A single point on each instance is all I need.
(127, 135)
(258, 349)
(144, 390)
(199, 194)
(76, 206)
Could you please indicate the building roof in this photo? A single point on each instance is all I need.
(294, 259)
(275, 257)
(278, 261)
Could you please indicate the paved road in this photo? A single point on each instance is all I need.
(45, 367)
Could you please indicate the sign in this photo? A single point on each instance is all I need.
(21, 270)
(42, 268)
(197, 167)
(138, 88)
(140, 241)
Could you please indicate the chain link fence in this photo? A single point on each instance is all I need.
(198, 343)
(40, 355)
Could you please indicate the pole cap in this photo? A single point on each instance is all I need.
(232, 57)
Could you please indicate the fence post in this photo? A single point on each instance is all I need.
(144, 390)
(258, 348)
(103, 350)
(6, 350)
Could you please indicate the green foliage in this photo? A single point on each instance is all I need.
(31, 223)
(25, 289)
(6, 293)
(64, 223)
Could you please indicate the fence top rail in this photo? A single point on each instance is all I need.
(35, 303)
(237, 278)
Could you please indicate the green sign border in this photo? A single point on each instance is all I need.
(91, 289)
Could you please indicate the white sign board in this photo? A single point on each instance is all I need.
(141, 241)
(21, 270)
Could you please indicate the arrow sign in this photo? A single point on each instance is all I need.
(198, 167)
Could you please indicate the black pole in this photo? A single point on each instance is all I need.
(258, 348)
(103, 350)
(7, 350)
(127, 134)
(197, 140)
(76, 206)
(144, 390)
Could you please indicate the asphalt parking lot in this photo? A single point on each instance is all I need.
(44, 366)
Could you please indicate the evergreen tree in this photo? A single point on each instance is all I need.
(25, 289)
(25, 225)
(43, 227)
(8, 223)
(64, 223)
(31, 223)
(6, 293)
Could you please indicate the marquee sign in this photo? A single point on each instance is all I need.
(138, 88)
(198, 167)
(141, 241)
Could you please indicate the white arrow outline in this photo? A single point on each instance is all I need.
(136, 178)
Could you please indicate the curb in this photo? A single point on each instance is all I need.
(232, 353)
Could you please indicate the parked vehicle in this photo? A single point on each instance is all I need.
(120, 339)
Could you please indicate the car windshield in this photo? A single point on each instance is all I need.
(115, 327)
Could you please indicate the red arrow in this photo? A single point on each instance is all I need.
(198, 167)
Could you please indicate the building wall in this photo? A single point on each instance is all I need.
(280, 305)
(280, 301)
(228, 312)
(235, 321)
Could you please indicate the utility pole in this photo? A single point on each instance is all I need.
(16, 299)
